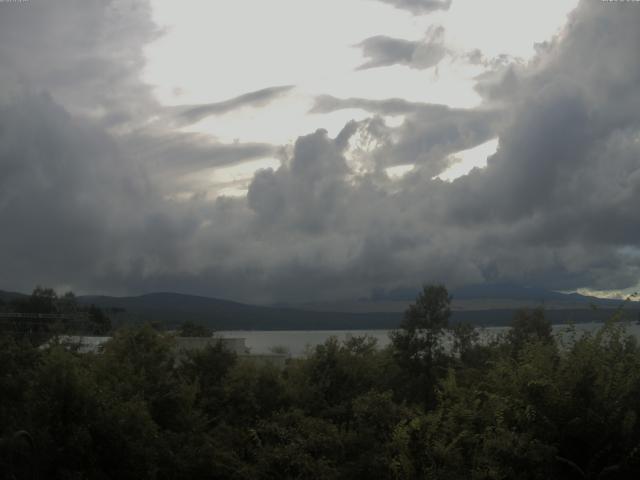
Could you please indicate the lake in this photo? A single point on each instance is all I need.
(297, 342)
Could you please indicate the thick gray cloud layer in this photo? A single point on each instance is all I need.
(86, 181)
(85, 53)
(85, 176)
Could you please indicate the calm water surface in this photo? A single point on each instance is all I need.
(298, 342)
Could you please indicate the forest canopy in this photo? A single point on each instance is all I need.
(528, 404)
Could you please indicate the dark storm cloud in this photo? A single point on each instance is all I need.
(87, 181)
(259, 98)
(383, 51)
(77, 210)
(555, 206)
(84, 175)
(87, 54)
(418, 7)
(303, 193)
(345, 234)
(66, 194)
(574, 128)
(567, 171)
(80, 51)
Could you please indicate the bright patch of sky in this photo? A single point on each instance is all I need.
(509, 27)
(214, 51)
(466, 160)
(231, 181)
(398, 171)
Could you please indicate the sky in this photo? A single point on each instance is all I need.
(305, 150)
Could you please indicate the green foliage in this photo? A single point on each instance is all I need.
(18, 363)
(529, 326)
(334, 374)
(524, 406)
(100, 323)
(207, 370)
(294, 445)
(253, 392)
(41, 300)
(280, 350)
(191, 329)
(47, 301)
(418, 342)
(465, 344)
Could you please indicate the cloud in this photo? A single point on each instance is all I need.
(78, 210)
(67, 195)
(565, 177)
(554, 207)
(171, 154)
(80, 52)
(429, 133)
(259, 98)
(418, 7)
(305, 190)
(86, 178)
(383, 51)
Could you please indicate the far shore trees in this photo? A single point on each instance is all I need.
(191, 329)
(46, 312)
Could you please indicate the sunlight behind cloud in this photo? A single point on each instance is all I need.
(222, 181)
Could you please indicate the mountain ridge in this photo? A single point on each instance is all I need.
(470, 304)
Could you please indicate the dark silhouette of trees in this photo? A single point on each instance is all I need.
(76, 318)
(517, 407)
(191, 329)
(529, 326)
(418, 342)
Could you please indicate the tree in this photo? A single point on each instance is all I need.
(46, 301)
(208, 369)
(41, 300)
(67, 303)
(465, 341)
(417, 343)
(191, 329)
(100, 323)
(529, 326)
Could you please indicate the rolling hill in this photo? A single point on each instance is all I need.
(491, 305)
(481, 305)
(172, 309)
